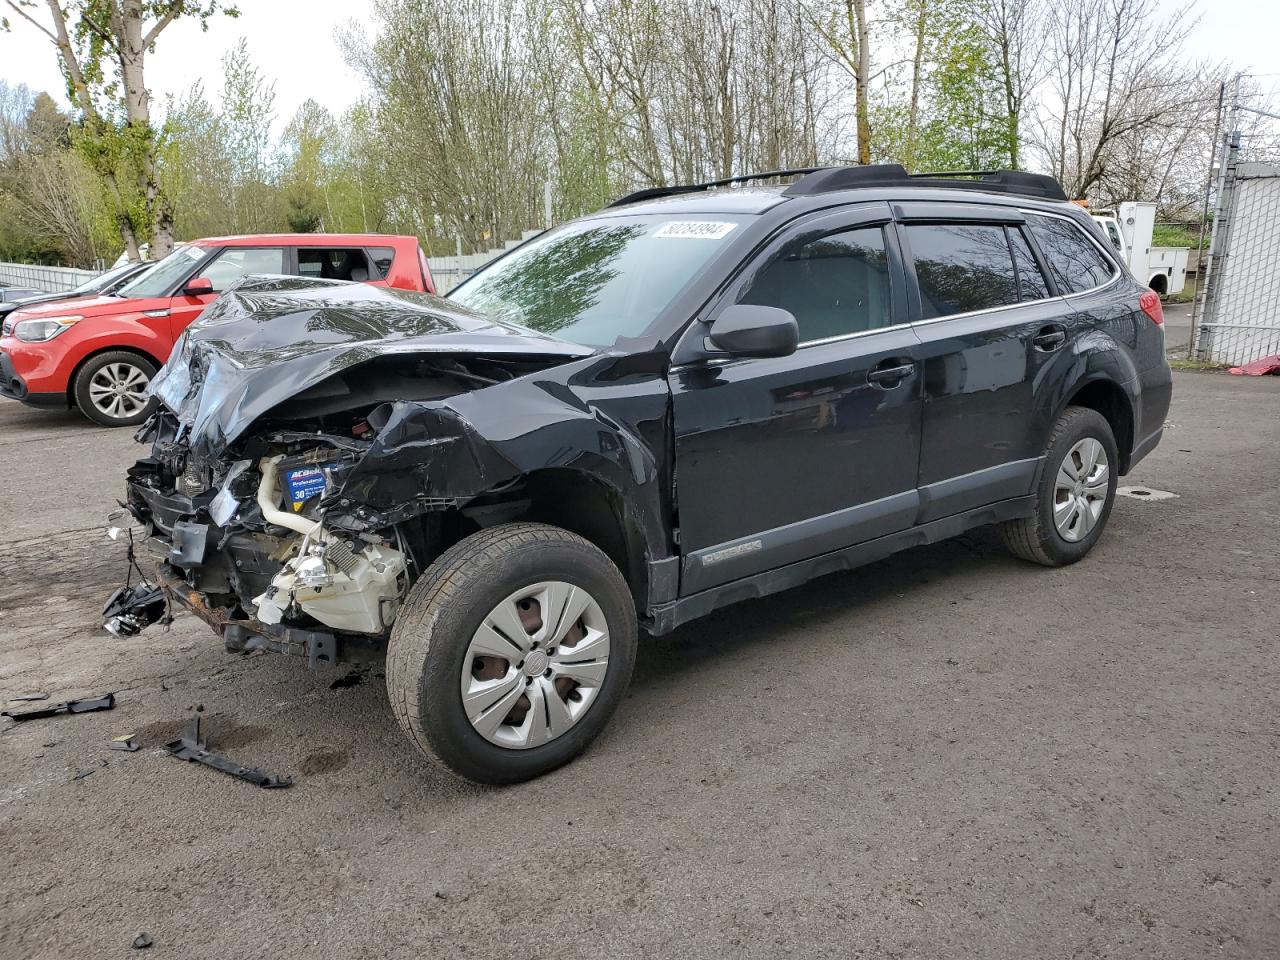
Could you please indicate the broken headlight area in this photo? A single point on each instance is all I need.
(249, 546)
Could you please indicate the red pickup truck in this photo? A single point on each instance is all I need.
(100, 353)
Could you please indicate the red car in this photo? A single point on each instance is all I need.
(100, 353)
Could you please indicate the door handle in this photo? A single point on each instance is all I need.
(1049, 338)
(889, 373)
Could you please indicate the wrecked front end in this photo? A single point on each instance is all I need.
(306, 461)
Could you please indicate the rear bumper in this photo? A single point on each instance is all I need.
(1154, 387)
(1143, 447)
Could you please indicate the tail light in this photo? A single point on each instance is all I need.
(1150, 304)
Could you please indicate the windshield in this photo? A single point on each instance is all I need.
(103, 280)
(597, 280)
(160, 279)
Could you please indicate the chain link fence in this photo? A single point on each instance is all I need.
(1238, 298)
(1240, 320)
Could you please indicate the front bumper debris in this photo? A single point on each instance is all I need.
(191, 746)
(87, 705)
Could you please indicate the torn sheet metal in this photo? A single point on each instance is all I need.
(85, 705)
(191, 746)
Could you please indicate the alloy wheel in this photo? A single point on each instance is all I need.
(119, 390)
(535, 665)
(1080, 490)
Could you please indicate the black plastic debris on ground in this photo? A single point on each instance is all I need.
(191, 746)
(142, 941)
(86, 705)
(132, 609)
(81, 774)
(126, 743)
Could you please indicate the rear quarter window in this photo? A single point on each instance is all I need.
(382, 259)
(1076, 263)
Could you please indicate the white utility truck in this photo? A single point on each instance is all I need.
(1163, 269)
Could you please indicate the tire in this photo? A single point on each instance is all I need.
(436, 634)
(1038, 538)
(94, 389)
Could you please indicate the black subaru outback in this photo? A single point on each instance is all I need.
(698, 395)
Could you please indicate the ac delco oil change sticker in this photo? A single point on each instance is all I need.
(695, 230)
(303, 485)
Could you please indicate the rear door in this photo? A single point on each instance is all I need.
(989, 324)
(781, 459)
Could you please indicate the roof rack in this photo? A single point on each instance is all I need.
(817, 180)
(893, 174)
(652, 193)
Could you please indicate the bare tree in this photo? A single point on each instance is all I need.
(842, 25)
(1111, 72)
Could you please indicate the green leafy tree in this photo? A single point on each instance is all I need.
(102, 47)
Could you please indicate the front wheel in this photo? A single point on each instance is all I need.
(1074, 492)
(512, 652)
(111, 389)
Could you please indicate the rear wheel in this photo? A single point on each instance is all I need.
(512, 652)
(1074, 492)
(111, 389)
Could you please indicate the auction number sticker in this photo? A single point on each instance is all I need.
(695, 229)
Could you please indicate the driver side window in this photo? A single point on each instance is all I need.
(834, 286)
(237, 262)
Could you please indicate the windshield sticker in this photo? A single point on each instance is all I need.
(695, 229)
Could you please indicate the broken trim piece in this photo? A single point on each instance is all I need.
(85, 705)
(191, 746)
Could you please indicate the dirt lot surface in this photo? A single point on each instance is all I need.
(948, 754)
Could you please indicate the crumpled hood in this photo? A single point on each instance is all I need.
(268, 339)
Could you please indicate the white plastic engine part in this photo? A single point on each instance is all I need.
(346, 589)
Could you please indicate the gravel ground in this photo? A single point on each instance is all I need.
(947, 754)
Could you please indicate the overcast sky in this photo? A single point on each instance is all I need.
(292, 42)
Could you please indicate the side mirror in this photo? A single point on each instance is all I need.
(198, 287)
(746, 330)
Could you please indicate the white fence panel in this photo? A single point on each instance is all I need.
(448, 272)
(48, 279)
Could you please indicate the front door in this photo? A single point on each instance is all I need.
(222, 271)
(782, 459)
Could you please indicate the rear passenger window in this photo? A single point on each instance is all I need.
(1076, 263)
(835, 285)
(329, 263)
(961, 267)
(1031, 282)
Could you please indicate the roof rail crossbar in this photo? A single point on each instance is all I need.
(892, 174)
(651, 193)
